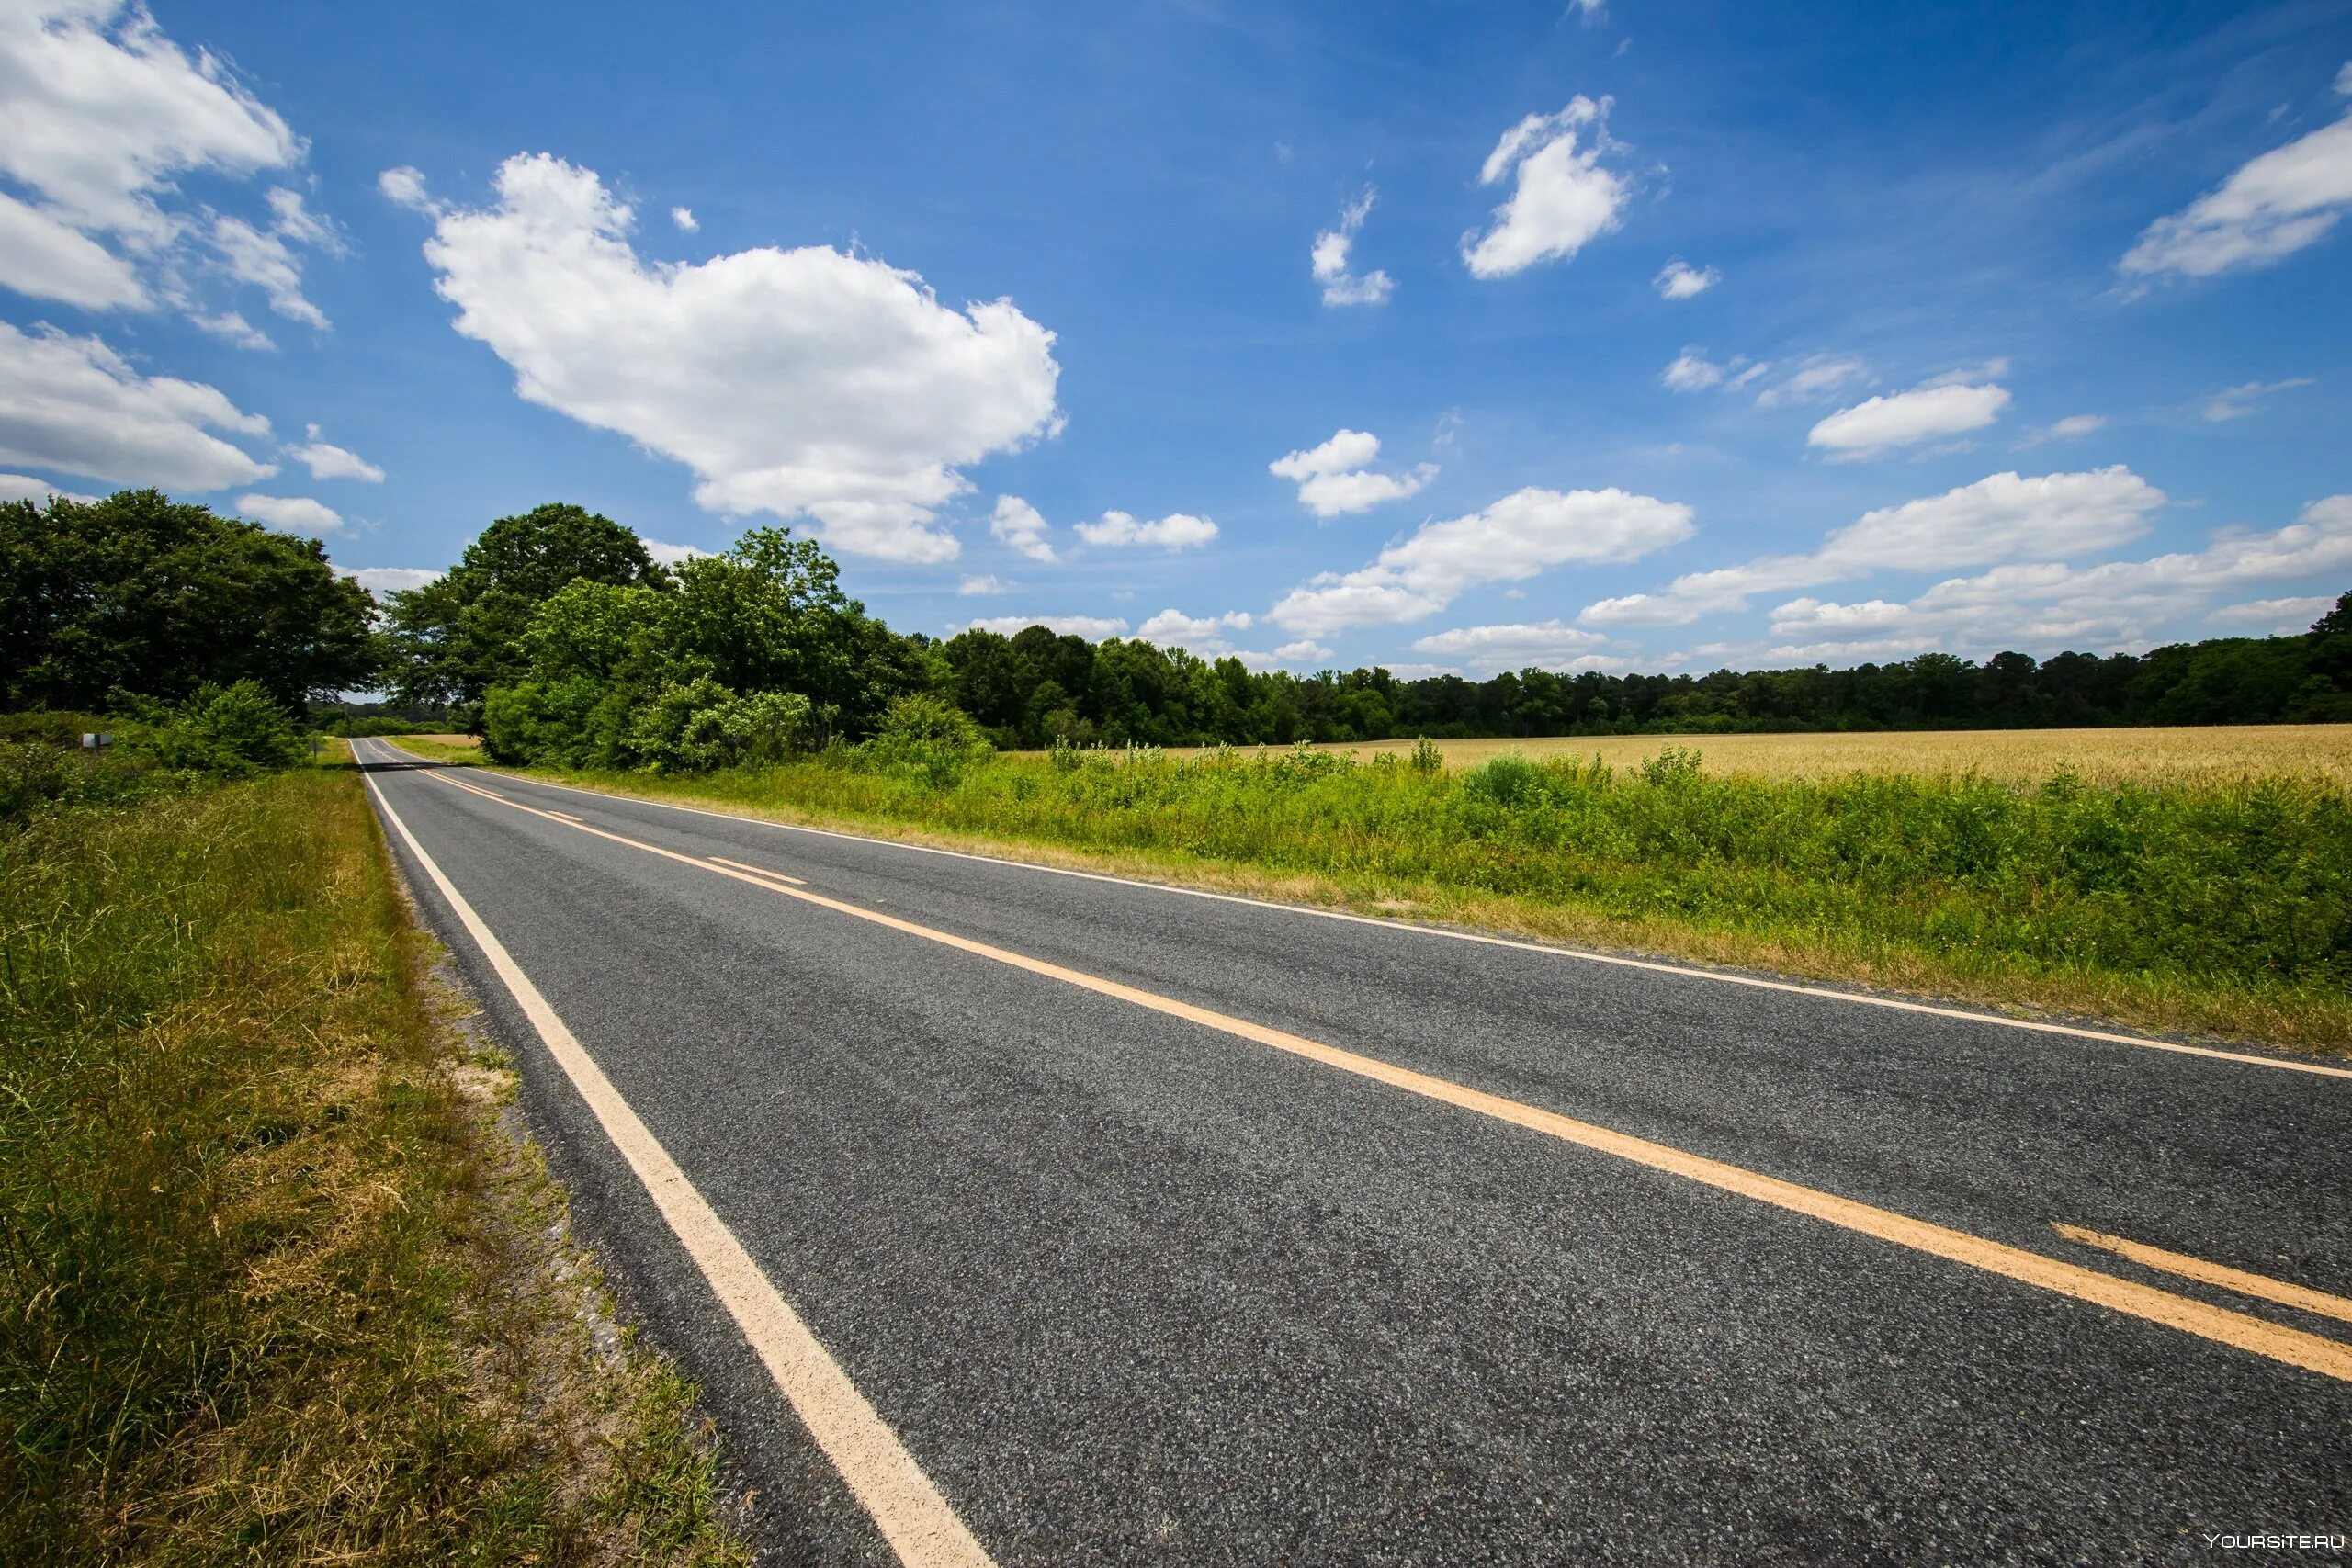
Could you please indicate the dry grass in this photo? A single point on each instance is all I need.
(2203, 755)
(276, 1286)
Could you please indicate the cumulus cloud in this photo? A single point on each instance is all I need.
(1329, 261)
(291, 514)
(2284, 615)
(683, 218)
(2003, 517)
(1880, 424)
(796, 382)
(979, 586)
(1016, 524)
(1517, 537)
(1093, 629)
(1177, 531)
(1562, 198)
(2236, 403)
(2275, 204)
(327, 461)
(24, 487)
(390, 578)
(1199, 633)
(1679, 280)
(101, 118)
(2052, 604)
(404, 186)
(75, 405)
(1335, 478)
(667, 554)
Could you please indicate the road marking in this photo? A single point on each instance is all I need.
(913, 1518)
(2242, 1331)
(566, 816)
(2238, 1279)
(1549, 950)
(761, 870)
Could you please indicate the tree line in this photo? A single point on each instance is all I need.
(557, 637)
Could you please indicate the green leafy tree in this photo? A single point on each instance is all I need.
(144, 594)
(454, 638)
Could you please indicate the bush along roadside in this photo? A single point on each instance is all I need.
(2220, 908)
(275, 1285)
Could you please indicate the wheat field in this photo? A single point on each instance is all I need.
(2104, 756)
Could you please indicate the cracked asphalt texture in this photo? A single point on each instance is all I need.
(1132, 1291)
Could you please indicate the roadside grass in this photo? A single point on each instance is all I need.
(2220, 908)
(275, 1285)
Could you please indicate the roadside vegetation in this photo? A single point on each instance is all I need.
(2222, 906)
(274, 1287)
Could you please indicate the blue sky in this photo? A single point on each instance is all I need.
(1634, 335)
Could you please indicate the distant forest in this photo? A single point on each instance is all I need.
(1035, 685)
(557, 635)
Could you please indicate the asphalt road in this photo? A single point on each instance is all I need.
(1129, 1278)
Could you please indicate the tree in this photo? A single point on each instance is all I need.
(454, 638)
(144, 594)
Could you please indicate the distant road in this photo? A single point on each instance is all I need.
(1017, 1216)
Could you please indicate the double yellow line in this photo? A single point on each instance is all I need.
(2292, 1347)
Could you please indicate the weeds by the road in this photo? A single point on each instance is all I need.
(273, 1287)
(2221, 905)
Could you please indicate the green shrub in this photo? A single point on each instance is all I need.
(924, 737)
(233, 731)
(695, 726)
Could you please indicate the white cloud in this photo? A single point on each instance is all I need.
(291, 514)
(24, 487)
(1177, 531)
(2236, 403)
(1679, 280)
(74, 404)
(101, 116)
(1518, 537)
(684, 219)
(330, 462)
(1094, 629)
(1550, 644)
(1017, 525)
(790, 382)
(2295, 614)
(1202, 634)
(2052, 604)
(1691, 372)
(404, 186)
(50, 259)
(1880, 424)
(232, 326)
(390, 578)
(973, 587)
(2072, 428)
(667, 554)
(1305, 651)
(2003, 517)
(1329, 261)
(1333, 479)
(1563, 198)
(2274, 206)
(1815, 378)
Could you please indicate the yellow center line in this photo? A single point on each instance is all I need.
(2242, 1331)
(2238, 1279)
(762, 871)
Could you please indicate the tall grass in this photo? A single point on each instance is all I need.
(2224, 905)
(266, 1288)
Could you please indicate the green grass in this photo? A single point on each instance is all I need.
(274, 1286)
(2217, 906)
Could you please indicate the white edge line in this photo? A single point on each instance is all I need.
(915, 1518)
(1653, 966)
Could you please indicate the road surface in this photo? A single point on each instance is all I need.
(1015, 1216)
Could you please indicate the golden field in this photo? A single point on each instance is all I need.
(2103, 756)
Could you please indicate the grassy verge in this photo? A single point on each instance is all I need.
(275, 1285)
(2221, 906)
